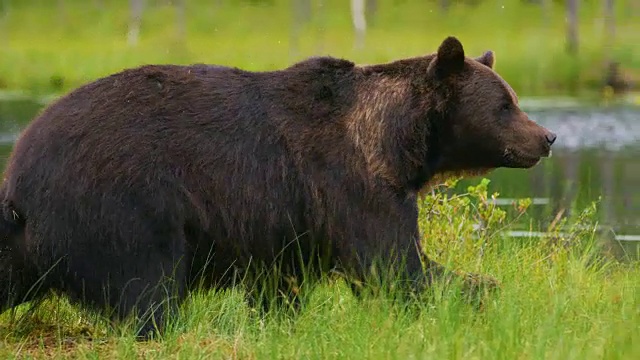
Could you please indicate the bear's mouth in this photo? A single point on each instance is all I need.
(517, 159)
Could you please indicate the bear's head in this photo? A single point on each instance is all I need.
(481, 126)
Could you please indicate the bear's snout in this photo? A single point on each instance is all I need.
(551, 137)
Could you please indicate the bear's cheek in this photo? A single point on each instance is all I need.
(486, 136)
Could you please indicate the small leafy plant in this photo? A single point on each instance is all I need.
(459, 227)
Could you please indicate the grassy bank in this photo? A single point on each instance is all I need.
(45, 47)
(558, 301)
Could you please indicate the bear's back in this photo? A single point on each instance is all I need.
(146, 112)
(208, 104)
(220, 136)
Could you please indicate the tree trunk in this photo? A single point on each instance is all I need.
(371, 9)
(137, 7)
(301, 15)
(444, 5)
(359, 22)
(62, 13)
(609, 27)
(5, 8)
(181, 19)
(320, 23)
(572, 27)
(546, 11)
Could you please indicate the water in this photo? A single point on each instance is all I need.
(597, 154)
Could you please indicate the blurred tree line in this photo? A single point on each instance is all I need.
(363, 13)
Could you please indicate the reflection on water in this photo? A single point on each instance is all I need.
(597, 153)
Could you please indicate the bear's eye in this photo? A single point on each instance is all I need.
(506, 107)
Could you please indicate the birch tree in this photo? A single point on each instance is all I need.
(136, 8)
(359, 22)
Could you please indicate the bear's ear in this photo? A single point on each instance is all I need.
(487, 59)
(449, 59)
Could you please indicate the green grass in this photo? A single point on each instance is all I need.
(560, 298)
(44, 49)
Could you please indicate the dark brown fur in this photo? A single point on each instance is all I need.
(153, 170)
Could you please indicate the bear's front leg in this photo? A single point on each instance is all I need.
(386, 250)
(380, 251)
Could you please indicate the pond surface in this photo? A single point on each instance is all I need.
(597, 154)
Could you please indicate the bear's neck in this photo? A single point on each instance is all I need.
(394, 134)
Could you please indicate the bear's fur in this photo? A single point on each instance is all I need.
(163, 169)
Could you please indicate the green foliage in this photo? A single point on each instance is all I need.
(459, 227)
(462, 223)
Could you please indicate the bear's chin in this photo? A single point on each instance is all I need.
(518, 160)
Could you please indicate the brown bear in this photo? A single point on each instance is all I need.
(184, 175)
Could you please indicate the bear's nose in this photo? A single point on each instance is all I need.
(551, 138)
